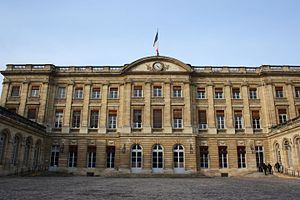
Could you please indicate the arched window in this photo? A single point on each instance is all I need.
(277, 153)
(136, 158)
(288, 150)
(2, 146)
(36, 155)
(178, 158)
(15, 150)
(157, 158)
(298, 147)
(27, 151)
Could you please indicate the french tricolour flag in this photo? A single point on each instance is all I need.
(155, 43)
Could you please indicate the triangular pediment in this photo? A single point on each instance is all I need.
(157, 64)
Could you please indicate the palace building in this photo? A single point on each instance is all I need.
(154, 115)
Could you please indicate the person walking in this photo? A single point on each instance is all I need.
(277, 166)
(270, 168)
(265, 168)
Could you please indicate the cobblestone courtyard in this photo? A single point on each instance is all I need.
(148, 188)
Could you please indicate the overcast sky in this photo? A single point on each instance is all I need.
(115, 32)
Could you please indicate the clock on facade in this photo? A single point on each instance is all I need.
(157, 66)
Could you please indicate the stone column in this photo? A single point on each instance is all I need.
(49, 107)
(167, 112)
(290, 97)
(228, 113)
(187, 122)
(125, 107)
(82, 153)
(23, 98)
(147, 108)
(246, 110)
(85, 108)
(43, 102)
(67, 111)
(63, 154)
(269, 106)
(103, 111)
(232, 154)
(211, 110)
(5, 92)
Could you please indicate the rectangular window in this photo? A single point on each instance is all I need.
(157, 118)
(223, 157)
(279, 92)
(219, 93)
(157, 91)
(91, 157)
(96, 93)
(94, 118)
(112, 119)
(78, 93)
(31, 114)
(177, 118)
(61, 93)
(137, 91)
(204, 156)
(54, 156)
(76, 119)
(255, 119)
(297, 92)
(241, 155)
(177, 92)
(238, 119)
(35, 91)
(72, 159)
(201, 93)
(15, 91)
(202, 121)
(253, 93)
(113, 93)
(220, 119)
(137, 119)
(58, 118)
(259, 151)
(282, 116)
(110, 157)
(236, 94)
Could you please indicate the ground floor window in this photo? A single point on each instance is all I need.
(110, 157)
(204, 156)
(259, 156)
(54, 156)
(91, 157)
(223, 157)
(157, 156)
(2, 146)
(136, 156)
(72, 161)
(241, 155)
(178, 156)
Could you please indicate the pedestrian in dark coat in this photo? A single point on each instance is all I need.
(270, 168)
(277, 166)
(265, 168)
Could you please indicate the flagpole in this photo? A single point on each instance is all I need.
(156, 43)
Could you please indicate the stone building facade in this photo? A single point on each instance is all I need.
(159, 115)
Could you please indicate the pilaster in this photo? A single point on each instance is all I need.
(85, 108)
(5, 91)
(43, 102)
(147, 109)
(229, 114)
(167, 113)
(246, 110)
(23, 98)
(290, 97)
(67, 111)
(211, 110)
(103, 111)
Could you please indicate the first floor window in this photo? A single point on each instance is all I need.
(279, 92)
(177, 92)
(202, 119)
(220, 119)
(113, 93)
(297, 92)
(72, 156)
(253, 93)
(137, 119)
(204, 156)
(157, 118)
(282, 116)
(76, 119)
(110, 157)
(78, 93)
(219, 93)
(31, 114)
(177, 118)
(137, 91)
(94, 118)
(112, 120)
(157, 91)
(236, 93)
(222, 156)
(91, 157)
(136, 156)
(238, 119)
(61, 92)
(201, 93)
(35, 91)
(54, 156)
(255, 119)
(58, 118)
(241, 155)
